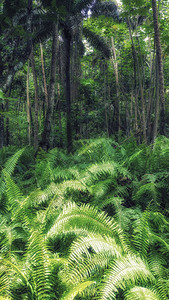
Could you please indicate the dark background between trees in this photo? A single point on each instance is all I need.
(66, 76)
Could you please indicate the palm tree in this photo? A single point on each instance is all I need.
(70, 25)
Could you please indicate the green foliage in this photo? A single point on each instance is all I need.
(95, 227)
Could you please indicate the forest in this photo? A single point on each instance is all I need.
(84, 149)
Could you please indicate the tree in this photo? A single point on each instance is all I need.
(160, 74)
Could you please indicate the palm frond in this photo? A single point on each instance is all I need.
(97, 42)
(82, 5)
(107, 9)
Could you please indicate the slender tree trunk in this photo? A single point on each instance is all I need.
(44, 77)
(28, 106)
(157, 106)
(67, 40)
(137, 67)
(36, 101)
(105, 100)
(160, 67)
(117, 100)
(46, 136)
(1, 128)
(7, 134)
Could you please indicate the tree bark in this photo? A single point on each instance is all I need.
(46, 141)
(160, 67)
(116, 102)
(36, 101)
(137, 68)
(44, 77)
(67, 40)
(1, 127)
(28, 107)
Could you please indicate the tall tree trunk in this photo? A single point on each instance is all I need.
(46, 141)
(137, 68)
(28, 106)
(36, 101)
(160, 67)
(67, 40)
(1, 127)
(117, 100)
(7, 134)
(157, 106)
(44, 77)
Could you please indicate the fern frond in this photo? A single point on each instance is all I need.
(74, 185)
(9, 168)
(88, 218)
(100, 172)
(141, 234)
(92, 268)
(125, 272)
(4, 282)
(11, 267)
(40, 261)
(65, 174)
(77, 290)
(148, 191)
(96, 150)
(13, 193)
(141, 293)
(96, 244)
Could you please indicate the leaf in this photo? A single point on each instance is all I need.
(78, 289)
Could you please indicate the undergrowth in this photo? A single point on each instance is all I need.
(92, 224)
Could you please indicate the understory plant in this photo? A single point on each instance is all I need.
(94, 227)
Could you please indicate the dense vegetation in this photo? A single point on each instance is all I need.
(84, 149)
(89, 225)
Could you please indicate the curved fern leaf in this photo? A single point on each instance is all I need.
(9, 168)
(141, 293)
(88, 218)
(125, 272)
(40, 261)
(77, 290)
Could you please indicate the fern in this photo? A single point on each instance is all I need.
(40, 261)
(77, 290)
(85, 217)
(125, 272)
(141, 234)
(141, 293)
(9, 168)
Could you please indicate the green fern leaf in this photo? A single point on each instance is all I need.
(141, 293)
(9, 168)
(77, 290)
(125, 272)
(88, 218)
